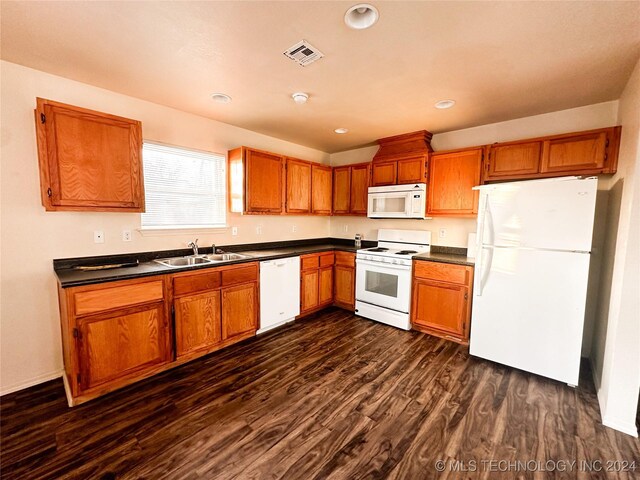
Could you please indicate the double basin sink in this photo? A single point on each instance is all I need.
(193, 260)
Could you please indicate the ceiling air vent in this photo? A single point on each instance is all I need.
(303, 53)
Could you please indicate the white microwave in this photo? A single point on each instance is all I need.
(398, 201)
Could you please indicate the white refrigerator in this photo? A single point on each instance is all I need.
(532, 266)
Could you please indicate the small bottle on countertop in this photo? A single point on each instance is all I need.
(358, 240)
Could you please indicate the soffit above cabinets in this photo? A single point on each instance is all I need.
(497, 60)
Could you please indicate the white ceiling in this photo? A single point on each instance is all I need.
(498, 60)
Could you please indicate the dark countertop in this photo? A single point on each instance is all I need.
(69, 276)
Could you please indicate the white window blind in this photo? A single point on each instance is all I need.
(183, 188)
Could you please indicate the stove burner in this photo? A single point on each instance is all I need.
(406, 252)
(378, 249)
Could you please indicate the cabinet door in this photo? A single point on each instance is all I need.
(298, 186)
(264, 189)
(441, 306)
(451, 179)
(308, 290)
(325, 286)
(122, 343)
(575, 154)
(88, 160)
(239, 310)
(197, 322)
(345, 286)
(359, 188)
(383, 173)
(341, 190)
(513, 161)
(321, 177)
(412, 170)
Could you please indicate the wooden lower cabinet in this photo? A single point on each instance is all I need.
(239, 310)
(441, 300)
(344, 278)
(116, 333)
(316, 281)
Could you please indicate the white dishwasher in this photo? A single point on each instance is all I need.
(279, 292)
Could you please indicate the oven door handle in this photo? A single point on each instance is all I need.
(388, 266)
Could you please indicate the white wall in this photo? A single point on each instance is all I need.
(31, 238)
(616, 343)
(572, 120)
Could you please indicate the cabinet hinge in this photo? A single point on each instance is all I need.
(78, 378)
(466, 296)
(606, 144)
(77, 334)
(49, 192)
(43, 118)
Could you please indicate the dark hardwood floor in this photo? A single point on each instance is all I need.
(334, 396)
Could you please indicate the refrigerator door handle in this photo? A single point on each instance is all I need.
(484, 199)
(485, 270)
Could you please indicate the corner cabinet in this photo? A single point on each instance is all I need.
(321, 189)
(452, 176)
(441, 300)
(89, 161)
(591, 152)
(256, 181)
(351, 189)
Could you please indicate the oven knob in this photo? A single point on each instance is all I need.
(394, 261)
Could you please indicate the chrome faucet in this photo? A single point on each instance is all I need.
(213, 248)
(194, 246)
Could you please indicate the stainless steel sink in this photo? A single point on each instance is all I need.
(226, 257)
(183, 261)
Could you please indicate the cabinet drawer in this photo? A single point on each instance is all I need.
(308, 262)
(102, 299)
(200, 282)
(345, 258)
(244, 274)
(327, 259)
(444, 272)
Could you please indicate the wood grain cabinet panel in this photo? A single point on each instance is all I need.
(513, 160)
(577, 153)
(412, 170)
(441, 300)
(255, 181)
(298, 186)
(239, 310)
(384, 173)
(325, 285)
(197, 323)
(122, 344)
(89, 161)
(341, 190)
(109, 297)
(309, 298)
(359, 188)
(321, 189)
(344, 288)
(452, 176)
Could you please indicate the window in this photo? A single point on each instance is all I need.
(183, 188)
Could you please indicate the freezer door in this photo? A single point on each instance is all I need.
(554, 214)
(528, 310)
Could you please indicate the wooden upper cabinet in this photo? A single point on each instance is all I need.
(513, 160)
(359, 188)
(341, 190)
(89, 161)
(580, 152)
(298, 186)
(321, 189)
(256, 181)
(412, 170)
(384, 173)
(452, 176)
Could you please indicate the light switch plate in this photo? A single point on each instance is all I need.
(234, 231)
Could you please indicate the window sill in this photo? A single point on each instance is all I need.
(164, 231)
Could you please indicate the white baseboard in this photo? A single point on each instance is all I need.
(624, 427)
(31, 382)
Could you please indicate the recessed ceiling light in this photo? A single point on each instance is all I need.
(221, 97)
(300, 97)
(341, 130)
(442, 104)
(361, 16)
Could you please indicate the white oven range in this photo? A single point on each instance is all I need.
(383, 276)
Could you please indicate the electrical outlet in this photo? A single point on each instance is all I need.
(126, 235)
(442, 233)
(346, 228)
(98, 236)
(294, 228)
(259, 230)
(234, 231)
